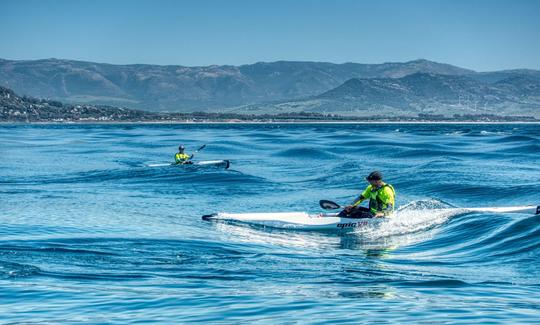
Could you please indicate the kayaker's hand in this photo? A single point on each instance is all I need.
(349, 208)
(379, 215)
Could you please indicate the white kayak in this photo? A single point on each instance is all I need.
(216, 163)
(330, 221)
(209, 163)
(294, 220)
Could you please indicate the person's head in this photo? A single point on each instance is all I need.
(181, 148)
(375, 178)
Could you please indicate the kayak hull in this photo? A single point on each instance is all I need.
(214, 163)
(295, 220)
(331, 221)
(204, 163)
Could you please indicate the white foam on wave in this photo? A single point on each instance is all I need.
(415, 217)
(455, 133)
(483, 132)
(276, 237)
(416, 222)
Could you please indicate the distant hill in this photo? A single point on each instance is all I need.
(14, 108)
(419, 93)
(26, 109)
(495, 76)
(418, 86)
(186, 89)
(414, 87)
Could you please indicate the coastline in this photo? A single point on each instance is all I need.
(264, 122)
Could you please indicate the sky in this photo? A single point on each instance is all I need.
(482, 35)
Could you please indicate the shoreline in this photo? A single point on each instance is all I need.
(264, 122)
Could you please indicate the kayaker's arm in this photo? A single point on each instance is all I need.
(388, 210)
(362, 197)
(355, 203)
(358, 200)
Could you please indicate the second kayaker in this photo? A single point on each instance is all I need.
(182, 158)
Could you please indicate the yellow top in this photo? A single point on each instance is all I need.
(381, 199)
(181, 158)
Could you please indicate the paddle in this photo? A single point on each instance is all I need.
(329, 205)
(193, 154)
(201, 148)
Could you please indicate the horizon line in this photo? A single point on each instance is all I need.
(262, 62)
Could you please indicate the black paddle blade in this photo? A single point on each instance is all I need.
(329, 205)
(201, 148)
(208, 217)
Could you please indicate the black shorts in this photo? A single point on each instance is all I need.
(357, 213)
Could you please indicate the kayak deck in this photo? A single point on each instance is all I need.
(209, 163)
(295, 220)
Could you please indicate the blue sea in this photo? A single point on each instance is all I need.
(89, 233)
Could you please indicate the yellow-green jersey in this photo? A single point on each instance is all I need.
(181, 158)
(381, 199)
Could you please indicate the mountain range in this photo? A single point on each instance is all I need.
(413, 87)
(418, 93)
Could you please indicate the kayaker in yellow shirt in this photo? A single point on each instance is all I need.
(381, 199)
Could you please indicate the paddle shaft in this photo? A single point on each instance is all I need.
(193, 154)
(330, 205)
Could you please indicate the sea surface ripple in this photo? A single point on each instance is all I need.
(90, 233)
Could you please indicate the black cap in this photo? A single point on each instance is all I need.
(375, 176)
(181, 147)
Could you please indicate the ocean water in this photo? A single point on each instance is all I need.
(90, 233)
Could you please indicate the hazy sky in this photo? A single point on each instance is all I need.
(481, 35)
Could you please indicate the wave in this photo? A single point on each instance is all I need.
(10, 270)
(192, 173)
(521, 149)
(105, 258)
(305, 153)
(514, 138)
(86, 226)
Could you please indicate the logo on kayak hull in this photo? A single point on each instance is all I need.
(352, 224)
